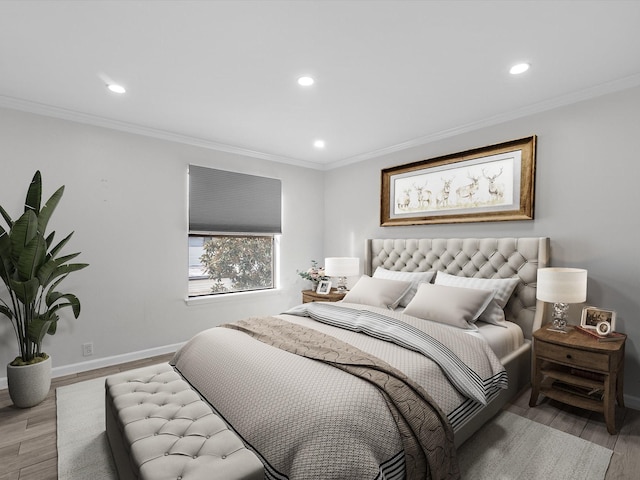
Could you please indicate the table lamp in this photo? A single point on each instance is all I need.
(561, 286)
(341, 267)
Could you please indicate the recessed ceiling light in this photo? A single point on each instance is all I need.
(519, 68)
(306, 81)
(116, 88)
(319, 144)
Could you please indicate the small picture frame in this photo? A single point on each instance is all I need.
(593, 316)
(324, 287)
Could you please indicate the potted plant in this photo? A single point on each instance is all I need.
(31, 269)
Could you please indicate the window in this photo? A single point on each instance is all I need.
(234, 223)
(225, 264)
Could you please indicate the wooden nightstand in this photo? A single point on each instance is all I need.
(311, 296)
(578, 370)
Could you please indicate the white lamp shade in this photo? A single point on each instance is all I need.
(562, 285)
(341, 266)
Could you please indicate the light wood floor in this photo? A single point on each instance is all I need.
(28, 437)
(28, 441)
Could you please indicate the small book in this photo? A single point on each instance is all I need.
(594, 393)
(611, 337)
(576, 372)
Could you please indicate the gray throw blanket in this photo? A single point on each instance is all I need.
(425, 432)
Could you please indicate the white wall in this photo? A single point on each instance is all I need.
(126, 200)
(587, 198)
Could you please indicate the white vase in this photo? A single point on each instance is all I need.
(29, 384)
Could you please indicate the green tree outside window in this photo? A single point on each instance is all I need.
(238, 263)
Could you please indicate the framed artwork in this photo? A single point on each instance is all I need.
(594, 318)
(494, 183)
(324, 287)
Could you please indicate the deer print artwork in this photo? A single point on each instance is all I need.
(481, 185)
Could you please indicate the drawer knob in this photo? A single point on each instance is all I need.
(569, 356)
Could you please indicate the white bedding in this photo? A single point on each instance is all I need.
(502, 341)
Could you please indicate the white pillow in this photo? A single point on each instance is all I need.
(455, 306)
(503, 288)
(377, 292)
(416, 278)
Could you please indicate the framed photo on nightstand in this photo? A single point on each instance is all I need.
(324, 287)
(597, 319)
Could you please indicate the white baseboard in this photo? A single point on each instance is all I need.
(105, 362)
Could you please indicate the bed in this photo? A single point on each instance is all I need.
(367, 388)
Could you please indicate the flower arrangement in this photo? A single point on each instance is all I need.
(315, 273)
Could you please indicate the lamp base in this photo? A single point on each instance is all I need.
(558, 329)
(559, 317)
(342, 285)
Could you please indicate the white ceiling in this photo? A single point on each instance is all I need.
(389, 74)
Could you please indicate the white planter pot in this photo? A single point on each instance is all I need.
(29, 384)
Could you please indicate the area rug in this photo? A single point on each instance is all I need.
(509, 447)
(83, 450)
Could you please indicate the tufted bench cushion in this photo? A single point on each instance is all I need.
(159, 428)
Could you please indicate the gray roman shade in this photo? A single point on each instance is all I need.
(231, 202)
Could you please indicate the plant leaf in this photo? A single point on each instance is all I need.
(54, 251)
(72, 301)
(37, 329)
(25, 291)
(5, 243)
(49, 267)
(66, 258)
(34, 194)
(55, 285)
(6, 265)
(50, 238)
(54, 325)
(32, 258)
(23, 231)
(47, 210)
(48, 275)
(6, 217)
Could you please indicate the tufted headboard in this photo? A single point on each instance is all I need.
(472, 257)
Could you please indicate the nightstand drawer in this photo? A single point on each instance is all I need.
(311, 296)
(573, 357)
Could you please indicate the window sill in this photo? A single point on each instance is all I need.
(230, 297)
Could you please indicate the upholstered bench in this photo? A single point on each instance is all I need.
(159, 428)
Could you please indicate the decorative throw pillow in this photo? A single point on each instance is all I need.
(416, 278)
(377, 292)
(455, 306)
(503, 288)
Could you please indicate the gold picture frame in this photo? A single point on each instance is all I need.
(493, 183)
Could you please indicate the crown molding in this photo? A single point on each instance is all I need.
(575, 97)
(84, 118)
(78, 117)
